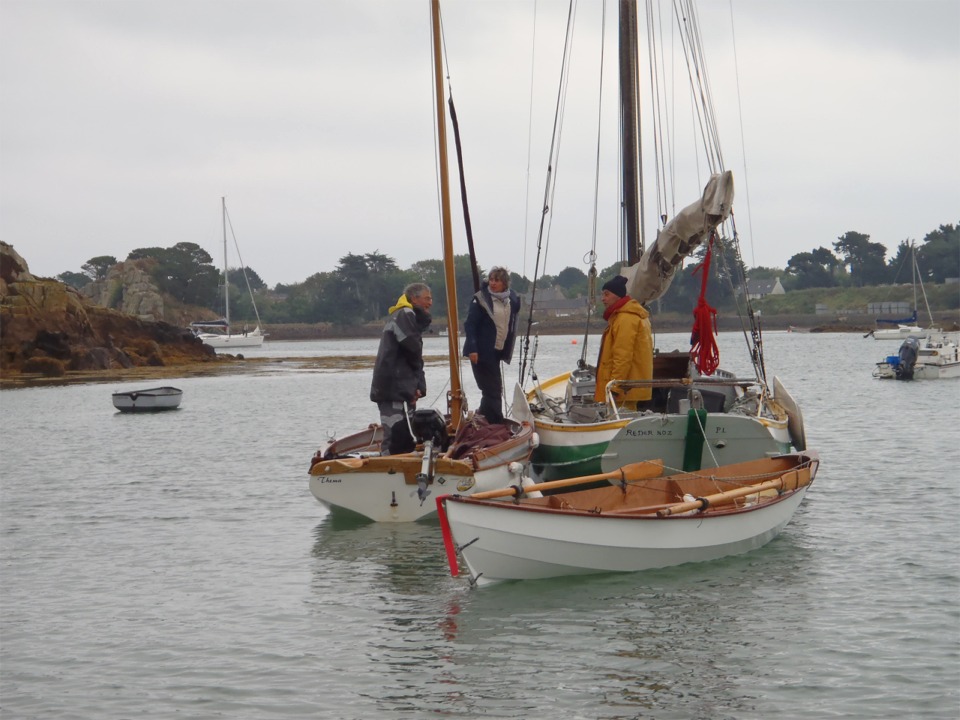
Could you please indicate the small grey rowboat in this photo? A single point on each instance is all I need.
(152, 400)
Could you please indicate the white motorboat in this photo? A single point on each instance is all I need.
(642, 521)
(150, 400)
(933, 357)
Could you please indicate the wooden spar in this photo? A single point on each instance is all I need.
(790, 480)
(643, 470)
(629, 130)
(455, 394)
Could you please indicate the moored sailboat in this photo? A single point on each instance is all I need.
(455, 450)
(220, 333)
(908, 327)
(699, 415)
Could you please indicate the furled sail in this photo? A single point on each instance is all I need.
(649, 278)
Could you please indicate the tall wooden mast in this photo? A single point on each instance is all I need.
(629, 133)
(456, 393)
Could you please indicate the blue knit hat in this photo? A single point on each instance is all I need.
(618, 286)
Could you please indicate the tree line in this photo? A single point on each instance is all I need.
(363, 287)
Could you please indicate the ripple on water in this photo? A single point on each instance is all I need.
(177, 564)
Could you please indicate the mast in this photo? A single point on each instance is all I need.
(455, 394)
(629, 133)
(913, 271)
(226, 279)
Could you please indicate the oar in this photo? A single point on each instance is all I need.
(628, 473)
(790, 480)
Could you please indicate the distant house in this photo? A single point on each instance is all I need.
(757, 289)
(550, 301)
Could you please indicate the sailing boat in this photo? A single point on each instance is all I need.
(454, 452)
(907, 327)
(700, 416)
(219, 333)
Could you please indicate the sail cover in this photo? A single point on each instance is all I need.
(649, 278)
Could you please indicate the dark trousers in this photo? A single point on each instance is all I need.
(491, 387)
(396, 433)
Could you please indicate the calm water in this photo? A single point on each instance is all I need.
(176, 565)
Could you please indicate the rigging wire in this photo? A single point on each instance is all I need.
(591, 257)
(743, 142)
(686, 24)
(660, 127)
(753, 339)
(550, 182)
(526, 195)
(243, 267)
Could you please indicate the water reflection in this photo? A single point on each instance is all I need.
(405, 557)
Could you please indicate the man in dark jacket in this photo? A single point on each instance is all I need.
(491, 329)
(398, 371)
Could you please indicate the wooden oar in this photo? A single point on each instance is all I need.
(628, 473)
(790, 480)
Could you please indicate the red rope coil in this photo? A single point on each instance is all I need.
(703, 340)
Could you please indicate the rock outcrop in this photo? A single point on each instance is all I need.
(128, 288)
(49, 328)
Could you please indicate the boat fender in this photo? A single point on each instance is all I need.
(526, 483)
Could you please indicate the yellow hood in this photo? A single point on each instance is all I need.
(402, 302)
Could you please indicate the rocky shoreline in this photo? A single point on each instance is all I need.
(50, 334)
(48, 330)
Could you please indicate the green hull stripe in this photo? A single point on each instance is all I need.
(693, 447)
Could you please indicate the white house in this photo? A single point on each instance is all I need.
(757, 289)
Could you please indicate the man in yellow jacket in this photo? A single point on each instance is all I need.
(626, 348)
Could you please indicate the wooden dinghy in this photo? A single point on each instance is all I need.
(642, 521)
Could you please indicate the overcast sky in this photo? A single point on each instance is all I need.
(123, 122)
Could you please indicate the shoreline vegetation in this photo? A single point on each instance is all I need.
(235, 364)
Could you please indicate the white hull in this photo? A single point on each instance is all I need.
(216, 340)
(387, 489)
(938, 358)
(152, 400)
(937, 372)
(903, 332)
(569, 448)
(389, 496)
(503, 540)
(540, 547)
